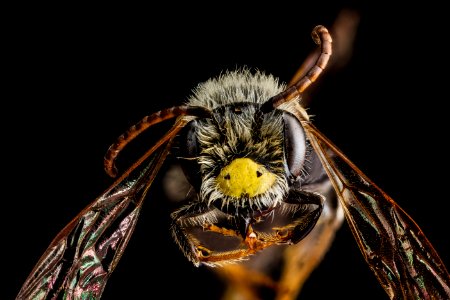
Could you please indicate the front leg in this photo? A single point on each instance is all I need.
(191, 225)
(303, 209)
(196, 214)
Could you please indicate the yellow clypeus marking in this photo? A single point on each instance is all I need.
(244, 177)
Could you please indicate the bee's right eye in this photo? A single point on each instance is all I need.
(188, 153)
(294, 144)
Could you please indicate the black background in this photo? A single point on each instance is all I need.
(77, 77)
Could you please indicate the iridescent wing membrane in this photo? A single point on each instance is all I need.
(396, 250)
(80, 259)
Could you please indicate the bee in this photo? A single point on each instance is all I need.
(261, 177)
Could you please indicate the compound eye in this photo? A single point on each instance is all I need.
(294, 144)
(188, 152)
(190, 139)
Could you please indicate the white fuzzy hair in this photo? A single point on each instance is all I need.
(236, 86)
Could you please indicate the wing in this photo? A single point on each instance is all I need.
(80, 259)
(403, 260)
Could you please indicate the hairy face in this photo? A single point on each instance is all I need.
(231, 134)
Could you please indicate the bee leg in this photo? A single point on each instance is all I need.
(302, 258)
(305, 209)
(192, 215)
(196, 216)
(223, 231)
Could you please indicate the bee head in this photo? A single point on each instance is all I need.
(240, 159)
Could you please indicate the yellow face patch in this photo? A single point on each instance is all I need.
(243, 176)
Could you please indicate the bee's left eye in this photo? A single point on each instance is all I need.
(294, 144)
(188, 152)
